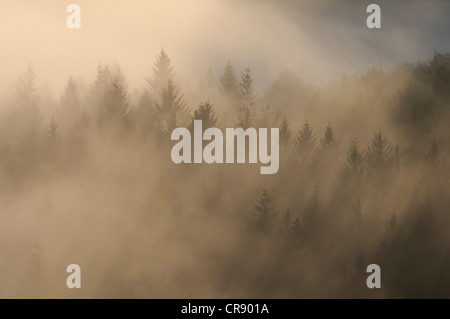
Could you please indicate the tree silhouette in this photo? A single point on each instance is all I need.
(305, 142)
(162, 74)
(52, 136)
(265, 214)
(98, 90)
(328, 143)
(245, 117)
(36, 274)
(379, 156)
(115, 106)
(171, 111)
(70, 103)
(229, 84)
(285, 133)
(352, 172)
(204, 112)
(246, 87)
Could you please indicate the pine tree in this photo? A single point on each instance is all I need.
(265, 213)
(205, 112)
(285, 133)
(246, 87)
(98, 91)
(354, 164)
(52, 136)
(36, 274)
(295, 231)
(311, 216)
(115, 105)
(29, 93)
(171, 111)
(390, 229)
(379, 154)
(431, 176)
(162, 74)
(328, 143)
(433, 156)
(145, 115)
(286, 223)
(229, 84)
(245, 117)
(305, 141)
(29, 98)
(70, 101)
(83, 120)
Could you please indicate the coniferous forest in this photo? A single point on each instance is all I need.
(364, 178)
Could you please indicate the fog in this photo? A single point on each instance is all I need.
(86, 175)
(318, 41)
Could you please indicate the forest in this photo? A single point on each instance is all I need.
(87, 178)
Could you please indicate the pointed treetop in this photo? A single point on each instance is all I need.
(162, 73)
(246, 87)
(228, 81)
(306, 139)
(329, 139)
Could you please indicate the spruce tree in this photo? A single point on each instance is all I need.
(98, 90)
(69, 104)
(229, 84)
(171, 110)
(265, 212)
(305, 142)
(162, 73)
(115, 106)
(245, 117)
(379, 152)
(28, 92)
(145, 115)
(354, 164)
(52, 136)
(285, 133)
(328, 143)
(205, 112)
(246, 87)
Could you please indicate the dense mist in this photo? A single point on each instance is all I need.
(86, 175)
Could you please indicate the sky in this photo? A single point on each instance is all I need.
(318, 40)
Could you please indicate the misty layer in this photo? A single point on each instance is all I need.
(362, 177)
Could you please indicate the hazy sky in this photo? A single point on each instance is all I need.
(319, 40)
